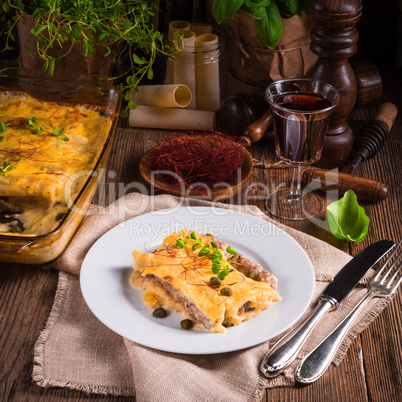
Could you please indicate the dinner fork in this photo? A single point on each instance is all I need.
(381, 285)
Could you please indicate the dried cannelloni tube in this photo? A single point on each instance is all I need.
(184, 66)
(171, 118)
(174, 26)
(173, 95)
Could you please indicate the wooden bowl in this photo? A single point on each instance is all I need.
(218, 194)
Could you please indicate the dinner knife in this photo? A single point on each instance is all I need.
(283, 353)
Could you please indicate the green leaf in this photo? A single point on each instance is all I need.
(306, 6)
(256, 12)
(216, 267)
(20, 5)
(150, 73)
(289, 8)
(3, 127)
(224, 273)
(256, 3)
(76, 32)
(222, 9)
(29, 52)
(38, 29)
(193, 236)
(231, 251)
(132, 105)
(51, 66)
(203, 251)
(6, 7)
(138, 60)
(269, 29)
(180, 243)
(347, 219)
(85, 47)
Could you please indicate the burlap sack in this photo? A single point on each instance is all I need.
(252, 65)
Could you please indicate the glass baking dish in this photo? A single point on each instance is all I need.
(88, 91)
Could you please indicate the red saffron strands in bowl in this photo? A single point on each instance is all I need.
(196, 160)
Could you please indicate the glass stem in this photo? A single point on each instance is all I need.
(295, 192)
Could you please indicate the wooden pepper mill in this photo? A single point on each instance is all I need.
(334, 39)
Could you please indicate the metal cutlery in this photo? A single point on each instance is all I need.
(381, 285)
(285, 351)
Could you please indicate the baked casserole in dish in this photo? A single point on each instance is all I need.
(55, 136)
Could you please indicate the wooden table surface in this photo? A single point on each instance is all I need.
(371, 370)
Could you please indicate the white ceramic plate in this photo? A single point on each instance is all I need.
(107, 267)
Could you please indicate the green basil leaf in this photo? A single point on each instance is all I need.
(269, 29)
(347, 219)
(256, 12)
(222, 9)
(289, 8)
(256, 3)
(3, 127)
(306, 6)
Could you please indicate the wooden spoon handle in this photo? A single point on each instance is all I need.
(256, 130)
(365, 189)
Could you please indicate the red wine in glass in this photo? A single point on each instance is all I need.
(300, 122)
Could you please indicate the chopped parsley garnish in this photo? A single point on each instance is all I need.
(35, 129)
(180, 243)
(231, 251)
(5, 167)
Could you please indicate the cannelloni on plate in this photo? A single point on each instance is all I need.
(212, 285)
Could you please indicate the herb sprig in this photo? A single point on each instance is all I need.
(220, 267)
(5, 167)
(35, 129)
(120, 29)
(32, 122)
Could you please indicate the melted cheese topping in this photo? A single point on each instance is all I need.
(48, 172)
(179, 278)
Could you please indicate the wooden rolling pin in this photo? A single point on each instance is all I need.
(368, 143)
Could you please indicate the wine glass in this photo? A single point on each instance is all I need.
(301, 110)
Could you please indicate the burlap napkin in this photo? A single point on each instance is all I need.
(77, 351)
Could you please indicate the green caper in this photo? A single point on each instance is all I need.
(251, 274)
(186, 324)
(214, 281)
(15, 229)
(215, 244)
(159, 312)
(226, 292)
